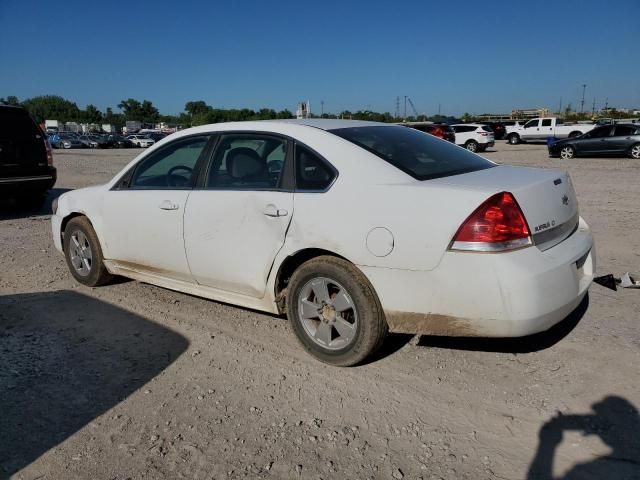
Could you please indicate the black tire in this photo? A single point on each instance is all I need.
(472, 146)
(575, 134)
(513, 139)
(33, 200)
(371, 326)
(634, 151)
(97, 272)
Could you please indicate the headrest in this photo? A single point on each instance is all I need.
(243, 162)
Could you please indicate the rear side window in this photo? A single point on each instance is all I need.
(422, 156)
(312, 172)
(486, 128)
(16, 123)
(624, 131)
(546, 122)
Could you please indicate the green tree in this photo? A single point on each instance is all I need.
(197, 107)
(141, 112)
(91, 114)
(10, 100)
(52, 107)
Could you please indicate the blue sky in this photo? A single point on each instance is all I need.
(468, 56)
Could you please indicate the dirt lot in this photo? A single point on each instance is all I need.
(133, 381)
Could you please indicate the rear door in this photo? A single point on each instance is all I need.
(235, 224)
(622, 138)
(22, 148)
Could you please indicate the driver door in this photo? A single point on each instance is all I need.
(531, 130)
(143, 214)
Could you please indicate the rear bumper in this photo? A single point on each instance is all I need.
(28, 183)
(490, 295)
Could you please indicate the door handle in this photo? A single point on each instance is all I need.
(272, 211)
(169, 205)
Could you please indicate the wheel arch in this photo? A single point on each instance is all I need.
(70, 216)
(289, 265)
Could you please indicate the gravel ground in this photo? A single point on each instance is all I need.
(130, 381)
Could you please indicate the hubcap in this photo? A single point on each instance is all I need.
(80, 253)
(327, 313)
(471, 147)
(635, 151)
(566, 152)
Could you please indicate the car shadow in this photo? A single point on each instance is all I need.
(614, 420)
(12, 208)
(66, 359)
(528, 344)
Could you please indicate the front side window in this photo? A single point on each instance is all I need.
(422, 156)
(313, 173)
(248, 162)
(531, 123)
(171, 167)
(600, 132)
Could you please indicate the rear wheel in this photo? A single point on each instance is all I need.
(634, 151)
(513, 139)
(83, 253)
(334, 311)
(567, 152)
(472, 146)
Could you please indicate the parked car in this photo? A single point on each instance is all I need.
(88, 141)
(499, 130)
(440, 130)
(621, 139)
(211, 212)
(118, 141)
(69, 140)
(26, 160)
(141, 141)
(539, 129)
(155, 136)
(474, 136)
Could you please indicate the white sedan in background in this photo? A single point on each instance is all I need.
(141, 141)
(351, 229)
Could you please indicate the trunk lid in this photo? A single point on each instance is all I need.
(546, 197)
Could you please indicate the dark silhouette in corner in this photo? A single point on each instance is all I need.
(66, 358)
(29, 205)
(615, 421)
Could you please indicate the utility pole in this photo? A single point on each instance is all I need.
(405, 108)
(397, 107)
(321, 108)
(438, 109)
(560, 107)
(606, 104)
(584, 87)
(593, 108)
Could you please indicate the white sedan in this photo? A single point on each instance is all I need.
(351, 229)
(141, 141)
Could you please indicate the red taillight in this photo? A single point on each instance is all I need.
(496, 225)
(47, 146)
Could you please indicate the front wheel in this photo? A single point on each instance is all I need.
(567, 152)
(634, 152)
(513, 139)
(83, 253)
(335, 312)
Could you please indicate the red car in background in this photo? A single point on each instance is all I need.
(440, 130)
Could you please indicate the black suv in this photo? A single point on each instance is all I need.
(26, 161)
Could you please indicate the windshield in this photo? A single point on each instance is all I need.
(418, 154)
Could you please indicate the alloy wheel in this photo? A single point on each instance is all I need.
(566, 152)
(80, 253)
(327, 313)
(635, 151)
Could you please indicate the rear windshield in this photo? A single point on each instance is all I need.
(16, 123)
(420, 155)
